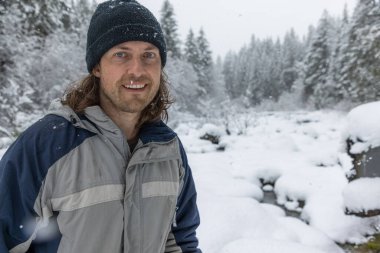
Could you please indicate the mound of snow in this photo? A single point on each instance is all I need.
(362, 128)
(362, 195)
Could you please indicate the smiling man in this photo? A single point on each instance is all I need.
(129, 76)
(101, 172)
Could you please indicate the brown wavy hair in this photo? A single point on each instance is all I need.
(85, 93)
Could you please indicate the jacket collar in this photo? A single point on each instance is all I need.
(95, 120)
(156, 132)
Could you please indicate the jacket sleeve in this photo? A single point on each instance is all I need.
(187, 216)
(19, 187)
(27, 224)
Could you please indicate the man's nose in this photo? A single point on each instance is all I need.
(136, 67)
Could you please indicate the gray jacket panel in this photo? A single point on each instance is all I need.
(111, 200)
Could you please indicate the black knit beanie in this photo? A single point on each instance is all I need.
(118, 21)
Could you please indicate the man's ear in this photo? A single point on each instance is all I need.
(96, 70)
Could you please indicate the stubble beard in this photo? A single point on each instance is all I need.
(134, 103)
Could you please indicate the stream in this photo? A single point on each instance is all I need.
(371, 247)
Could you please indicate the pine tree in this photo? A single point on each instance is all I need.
(220, 88)
(292, 52)
(191, 49)
(46, 57)
(41, 17)
(81, 14)
(266, 83)
(198, 54)
(246, 79)
(12, 24)
(308, 39)
(169, 28)
(276, 68)
(184, 86)
(318, 59)
(292, 49)
(229, 73)
(204, 67)
(339, 61)
(361, 75)
(62, 58)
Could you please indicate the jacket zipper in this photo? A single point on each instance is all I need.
(174, 217)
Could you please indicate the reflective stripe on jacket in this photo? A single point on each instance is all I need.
(70, 184)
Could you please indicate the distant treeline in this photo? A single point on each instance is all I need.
(42, 47)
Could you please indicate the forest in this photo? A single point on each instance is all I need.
(334, 66)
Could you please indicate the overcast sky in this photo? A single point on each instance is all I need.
(229, 24)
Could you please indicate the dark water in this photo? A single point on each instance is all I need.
(372, 247)
(270, 198)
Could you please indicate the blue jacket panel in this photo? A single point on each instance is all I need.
(26, 163)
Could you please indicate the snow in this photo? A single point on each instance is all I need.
(362, 194)
(301, 154)
(212, 129)
(296, 155)
(363, 127)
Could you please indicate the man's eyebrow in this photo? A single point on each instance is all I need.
(151, 48)
(123, 47)
(148, 48)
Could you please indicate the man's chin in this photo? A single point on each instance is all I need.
(134, 108)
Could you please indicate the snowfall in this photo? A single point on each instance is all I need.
(299, 157)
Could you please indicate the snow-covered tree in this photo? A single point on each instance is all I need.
(169, 28)
(262, 70)
(81, 12)
(48, 55)
(191, 49)
(184, 86)
(13, 29)
(266, 81)
(307, 40)
(241, 74)
(360, 74)
(292, 51)
(204, 67)
(229, 73)
(339, 59)
(198, 54)
(219, 85)
(318, 58)
(41, 17)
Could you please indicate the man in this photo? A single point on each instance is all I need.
(101, 172)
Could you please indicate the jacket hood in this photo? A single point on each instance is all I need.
(96, 121)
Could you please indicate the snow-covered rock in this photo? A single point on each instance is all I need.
(362, 195)
(362, 128)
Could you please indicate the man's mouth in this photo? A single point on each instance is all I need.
(135, 85)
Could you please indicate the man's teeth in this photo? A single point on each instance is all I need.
(135, 86)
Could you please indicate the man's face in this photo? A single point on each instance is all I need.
(129, 76)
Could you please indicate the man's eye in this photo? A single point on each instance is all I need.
(149, 55)
(120, 54)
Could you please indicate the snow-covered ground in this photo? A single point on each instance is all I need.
(303, 155)
(298, 155)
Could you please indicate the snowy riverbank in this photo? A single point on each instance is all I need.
(303, 155)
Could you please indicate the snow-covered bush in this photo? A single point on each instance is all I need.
(211, 133)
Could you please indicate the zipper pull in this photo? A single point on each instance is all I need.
(174, 218)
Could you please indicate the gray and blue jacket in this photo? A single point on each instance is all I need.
(70, 184)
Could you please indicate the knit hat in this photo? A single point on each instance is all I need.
(118, 21)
